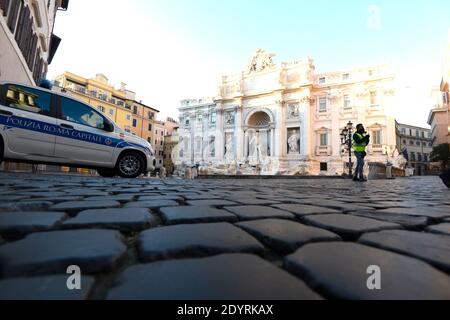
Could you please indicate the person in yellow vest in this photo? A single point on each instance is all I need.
(360, 142)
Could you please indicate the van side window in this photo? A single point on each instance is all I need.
(28, 99)
(77, 112)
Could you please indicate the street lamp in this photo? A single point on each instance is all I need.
(347, 139)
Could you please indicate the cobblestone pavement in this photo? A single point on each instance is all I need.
(223, 239)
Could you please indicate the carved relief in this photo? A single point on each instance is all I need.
(229, 118)
(293, 111)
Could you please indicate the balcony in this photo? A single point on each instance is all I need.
(323, 151)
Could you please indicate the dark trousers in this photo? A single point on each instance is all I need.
(359, 173)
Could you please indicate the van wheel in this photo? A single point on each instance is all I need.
(130, 165)
(106, 173)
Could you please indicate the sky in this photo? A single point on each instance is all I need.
(170, 50)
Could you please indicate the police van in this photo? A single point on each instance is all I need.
(44, 127)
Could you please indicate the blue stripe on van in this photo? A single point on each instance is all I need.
(47, 128)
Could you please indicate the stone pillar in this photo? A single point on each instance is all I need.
(245, 145)
(239, 134)
(305, 128)
(272, 141)
(281, 133)
(220, 133)
(335, 130)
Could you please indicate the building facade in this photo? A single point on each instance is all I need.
(28, 44)
(416, 145)
(170, 144)
(287, 119)
(439, 118)
(160, 133)
(119, 105)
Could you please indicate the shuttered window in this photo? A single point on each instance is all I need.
(13, 14)
(4, 4)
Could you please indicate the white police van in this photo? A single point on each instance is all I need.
(41, 126)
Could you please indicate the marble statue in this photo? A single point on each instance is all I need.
(293, 142)
(229, 148)
(400, 162)
(255, 146)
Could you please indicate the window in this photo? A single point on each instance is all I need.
(347, 102)
(149, 140)
(187, 122)
(13, 15)
(101, 108)
(413, 156)
(425, 157)
(418, 143)
(134, 123)
(404, 141)
(212, 118)
(135, 109)
(423, 134)
(417, 133)
(373, 98)
(323, 166)
(77, 112)
(370, 73)
(128, 117)
(149, 127)
(156, 143)
(419, 157)
(410, 132)
(111, 112)
(404, 131)
(162, 133)
(322, 80)
(445, 98)
(430, 144)
(28, 99)
(376, 137)
(4, 4)
(324, 139)
(94, 93)
(323, 105)
(345, 76)
(200, 117)
(162, 143)
(411, 142)
(156, 131)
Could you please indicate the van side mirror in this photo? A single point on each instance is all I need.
(108, 126)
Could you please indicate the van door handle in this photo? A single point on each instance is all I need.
(6, 113)
(66, 126)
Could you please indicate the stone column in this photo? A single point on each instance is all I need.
(272, 141)
(281, 133)
(239, 133)
(245, 156)
(306, 129)
(220, 133)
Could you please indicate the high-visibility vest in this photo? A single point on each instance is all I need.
(359, 147)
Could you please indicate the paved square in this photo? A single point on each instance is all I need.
(224, 239)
